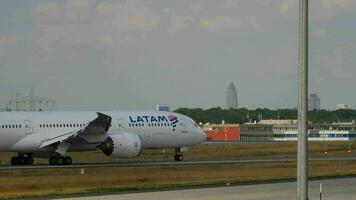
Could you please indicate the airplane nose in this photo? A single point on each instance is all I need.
(202, 135)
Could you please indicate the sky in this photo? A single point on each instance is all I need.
(134, 54)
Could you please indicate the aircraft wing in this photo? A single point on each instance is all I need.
(99, 125)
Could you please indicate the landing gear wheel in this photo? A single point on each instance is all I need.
(178, 157)
(53, 161)
(60, 160)
(22, 160)
(28, 160)
(67, 160)
(14, 161)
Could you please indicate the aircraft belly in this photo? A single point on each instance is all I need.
(8, 140)
(28, 143)
(166, 140)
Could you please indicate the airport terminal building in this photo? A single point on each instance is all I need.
(279, 130)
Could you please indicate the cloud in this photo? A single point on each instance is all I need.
(178, 23)
(286, 5)
(47, 8)
(327, 9)
(320, 34)
(335, 64)
(284, 62)
(230, 4)
(320, 9)
(216, 23)
(338, 62)
(337, 3)
(195, 6)
(7, 40)
(91, 22)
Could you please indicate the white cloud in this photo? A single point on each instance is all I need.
(326, 9)
(320, 9)
(337, 3)
(47, 8)
(337, 62)
(178, 23)
(230, 4)
(286, 5)
(195, 6)
(320, 34)
(7, 40)
(285, 62)
(91, 22)
(216, 23)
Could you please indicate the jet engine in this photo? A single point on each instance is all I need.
(126, 145)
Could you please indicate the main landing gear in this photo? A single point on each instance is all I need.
(60, 160)
(178, 156)
(22, 159)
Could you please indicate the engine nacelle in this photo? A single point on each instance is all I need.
(126, 145)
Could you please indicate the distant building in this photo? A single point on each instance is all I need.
(313, 102)
(341, 106)
(256, 133)
(278, 121)
(30, 102)
(231, 97)
(222, 132)
(162, 108)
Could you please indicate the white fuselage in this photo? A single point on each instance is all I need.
(26, 131)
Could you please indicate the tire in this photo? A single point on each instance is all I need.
(67, 160)
(178, 157)
(52, 161)
(29, 161)
(14, 161)
(59, 161)
(21, 161)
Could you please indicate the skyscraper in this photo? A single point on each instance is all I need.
(313, 102)
(231, 97)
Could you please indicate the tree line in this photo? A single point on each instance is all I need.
(244, 115)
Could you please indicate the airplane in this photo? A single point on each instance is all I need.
(123, 134)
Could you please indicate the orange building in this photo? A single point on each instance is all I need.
(222, 132)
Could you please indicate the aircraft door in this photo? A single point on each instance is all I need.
(121, 124)
(28, 126)
(182, 128)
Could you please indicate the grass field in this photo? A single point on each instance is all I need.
(71, 181)
(212, 151)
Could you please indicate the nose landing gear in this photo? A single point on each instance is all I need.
(178, 156)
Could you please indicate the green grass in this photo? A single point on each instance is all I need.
(34, 183)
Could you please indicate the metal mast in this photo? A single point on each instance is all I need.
(302, 176)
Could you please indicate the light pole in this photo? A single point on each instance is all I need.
(302, 163)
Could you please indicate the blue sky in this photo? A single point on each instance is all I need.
(89, 54)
